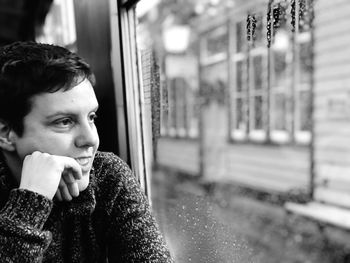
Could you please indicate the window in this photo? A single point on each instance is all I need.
(279, 110)
(179, 108)
(254, 110)
(240, 84)
(59, 26)
(249, 86)
(214, 45)
(257, 83)
(303, 100)
(178, 94)
(280, 87)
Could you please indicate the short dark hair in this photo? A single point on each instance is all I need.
(28, 69)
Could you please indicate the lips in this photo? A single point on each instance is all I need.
(83, 161)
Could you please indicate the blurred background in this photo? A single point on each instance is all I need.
(234, 115)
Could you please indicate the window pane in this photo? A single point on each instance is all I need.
(258, 72)
(193, 112)
(217, 41)
(164, 110)
(259, 39)
(305, 18)
(279, 111)
(305, 111)
(172, 103)
(59, 27)
(180, 87)
(240, 124)
(258, 113)
(240, 36)
(239, 75)
(280, 67)
(305, 62)
(215, 78)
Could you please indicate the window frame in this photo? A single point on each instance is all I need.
(130, 107)
(238, 57)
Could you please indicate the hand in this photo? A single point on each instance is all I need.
(49, 174)
(67, 187)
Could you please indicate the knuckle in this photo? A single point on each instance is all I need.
(36, 153)
(45, 155)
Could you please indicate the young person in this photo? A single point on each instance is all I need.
(60, 199)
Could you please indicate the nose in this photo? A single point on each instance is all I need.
(87, 135)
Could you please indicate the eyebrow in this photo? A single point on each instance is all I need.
(68, 112)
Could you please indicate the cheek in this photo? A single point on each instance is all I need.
(57, 145)
(97, 142)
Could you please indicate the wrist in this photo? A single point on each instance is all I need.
(37, 190)
(28, 208)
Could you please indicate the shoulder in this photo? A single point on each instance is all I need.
(109, 162)
(115, 185)
(109, 168)
(112, 177)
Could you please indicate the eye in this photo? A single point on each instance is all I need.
(64, 122)
(92, 117)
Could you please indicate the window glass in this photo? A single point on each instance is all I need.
(240, 124)
(164, 109)
(181, 106)
(215, 78)
(305, 62)
(280, 68)
(217, 42)
(279, 110)
(172, 103)
(254, 140)
(259, 39)
(240, 36)
(59, 27)
(258, 113)
(239, 75)
(258, 72)
(305, 111)
(239, 94)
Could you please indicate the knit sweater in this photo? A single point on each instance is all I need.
(110, 221)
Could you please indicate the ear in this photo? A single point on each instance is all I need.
(6, 137)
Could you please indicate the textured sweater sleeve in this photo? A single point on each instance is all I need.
(134, 233)
(21, 221)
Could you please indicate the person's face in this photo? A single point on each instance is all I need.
(62, 123)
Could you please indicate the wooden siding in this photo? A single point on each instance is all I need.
(263, 167)
(266, 168)
(269, 168)
(181, 155)
(332, 102)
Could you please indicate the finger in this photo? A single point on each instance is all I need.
(58, 195)
(72, 165)
(73, 189)
(68, 177)
(70, 183)
(65, 193)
